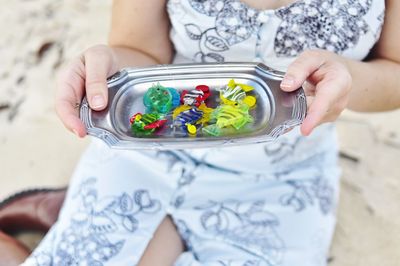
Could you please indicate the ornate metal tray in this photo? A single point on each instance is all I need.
(276, 112)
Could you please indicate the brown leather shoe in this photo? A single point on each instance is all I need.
(31, 210)
(12, 252)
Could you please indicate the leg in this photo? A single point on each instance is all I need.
(114, 205)
(261, 222)
(165, 247)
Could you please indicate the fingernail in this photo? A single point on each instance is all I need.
(287, 82)
(97, 101)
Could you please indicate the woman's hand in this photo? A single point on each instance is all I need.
(84, 75)
(327, 83)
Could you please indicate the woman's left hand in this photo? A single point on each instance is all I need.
(327, 83)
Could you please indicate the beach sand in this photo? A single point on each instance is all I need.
(39, 36)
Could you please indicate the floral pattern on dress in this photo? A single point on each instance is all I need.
(333, 25)
(95, 233)
(246, 225)
(309, 192)
(235, 22)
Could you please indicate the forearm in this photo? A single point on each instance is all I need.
(376, 85)
(129, 57)
(139, 34)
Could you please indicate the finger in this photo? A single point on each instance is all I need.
(298, 72)
(98, 66)
(70, 117)
(329, 117)
(69, 93)
(320, 107)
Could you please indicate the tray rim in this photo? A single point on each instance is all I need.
(298, 112)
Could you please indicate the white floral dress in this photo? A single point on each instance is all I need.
(264, 205)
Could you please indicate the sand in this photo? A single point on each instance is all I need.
(39, 36)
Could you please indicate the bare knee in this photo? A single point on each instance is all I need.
(165, 246)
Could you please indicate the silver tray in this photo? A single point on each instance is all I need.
(276, 111)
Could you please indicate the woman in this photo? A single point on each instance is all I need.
(278, 203)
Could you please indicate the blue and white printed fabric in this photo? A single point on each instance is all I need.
(116, 201)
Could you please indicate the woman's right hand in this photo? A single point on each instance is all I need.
(86, 74)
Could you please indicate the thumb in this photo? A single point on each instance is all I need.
(98, 66)
(303, 67)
